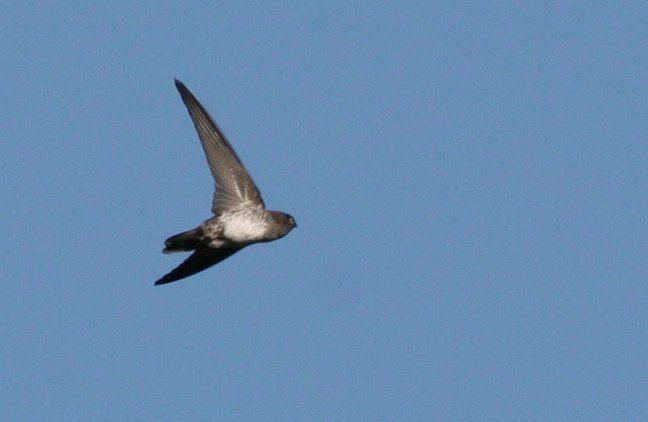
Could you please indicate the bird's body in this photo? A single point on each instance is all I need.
(240, 215)
(249, 225)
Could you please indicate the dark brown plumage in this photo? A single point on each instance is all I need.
(240, 218)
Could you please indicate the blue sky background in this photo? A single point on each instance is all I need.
(470, 182)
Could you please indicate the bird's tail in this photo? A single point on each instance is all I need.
(185, 241)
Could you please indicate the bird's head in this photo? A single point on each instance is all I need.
(285, 222)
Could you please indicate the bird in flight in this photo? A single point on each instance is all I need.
(240, 218)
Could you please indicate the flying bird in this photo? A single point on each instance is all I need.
(240, 218)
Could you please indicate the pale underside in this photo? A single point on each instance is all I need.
(242, 226)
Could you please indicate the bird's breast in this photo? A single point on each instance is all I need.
(244, 227)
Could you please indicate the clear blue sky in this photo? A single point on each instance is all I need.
(470, 182)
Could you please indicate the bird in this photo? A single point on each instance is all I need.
(240, 217)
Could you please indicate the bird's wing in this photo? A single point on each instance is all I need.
(201, 259)
(234, 185)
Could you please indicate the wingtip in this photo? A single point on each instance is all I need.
(180, 86)
(160, 282)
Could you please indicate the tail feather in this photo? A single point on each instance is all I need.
(183, 242)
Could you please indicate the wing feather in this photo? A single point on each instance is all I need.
(234, 185)
(201, 259)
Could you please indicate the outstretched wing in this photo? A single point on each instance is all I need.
(201, 259)
(234, 185)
